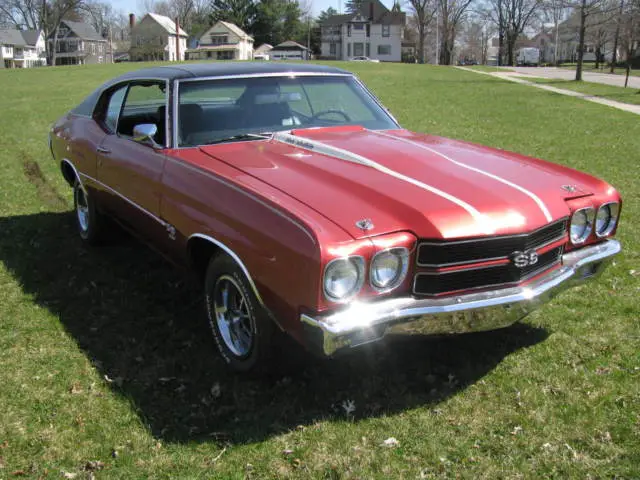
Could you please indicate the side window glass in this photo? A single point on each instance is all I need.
(145, 103)
(113, 108)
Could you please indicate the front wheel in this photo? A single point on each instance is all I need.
(241, 328)
(88, 219)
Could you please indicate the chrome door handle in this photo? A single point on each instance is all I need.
(103, 150)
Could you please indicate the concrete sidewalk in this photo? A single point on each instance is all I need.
(566, 74)
(514, 77)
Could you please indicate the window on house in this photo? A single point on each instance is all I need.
(358, 49)
(348, 49)
(218, 39)
(349, 30)
(332, 48)
(368, 29)
(384, 49)
(386, 30)
(368, 50)
(358, 26)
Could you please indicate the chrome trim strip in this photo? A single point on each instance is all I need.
(75, 171)
(339, 153)
(235, 258)
(470, 312)
(528, 193)
(292, 73)
(130, 202)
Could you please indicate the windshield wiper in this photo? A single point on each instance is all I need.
(242, 136)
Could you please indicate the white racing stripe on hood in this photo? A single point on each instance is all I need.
(324, 149)
(530, 194)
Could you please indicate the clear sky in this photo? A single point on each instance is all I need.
(132, 6)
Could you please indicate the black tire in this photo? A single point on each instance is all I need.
(89, 222)
(223, 272)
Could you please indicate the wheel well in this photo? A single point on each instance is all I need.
(68, 173)
(200, 252)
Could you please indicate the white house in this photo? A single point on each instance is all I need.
(223, 41)
(22, 48)
(154, 38)
(262, 52)
(289, 50)
(374, 31)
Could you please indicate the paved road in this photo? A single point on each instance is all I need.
(562, 74)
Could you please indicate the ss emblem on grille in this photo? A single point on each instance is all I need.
(524, 259)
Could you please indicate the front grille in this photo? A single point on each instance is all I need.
(434, 283)
(445, 254)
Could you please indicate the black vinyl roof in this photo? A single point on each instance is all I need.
(220, 69)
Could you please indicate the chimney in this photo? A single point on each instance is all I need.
(132, 20)
(177, 40)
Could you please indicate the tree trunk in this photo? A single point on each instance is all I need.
(500, 46)
(597, 65)
(511, 40)
(614, 54)
(420, 41)
(54, 48)
(555, 46)
(583, 27)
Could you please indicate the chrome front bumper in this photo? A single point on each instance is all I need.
(363, 323)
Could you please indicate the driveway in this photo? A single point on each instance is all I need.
(562, 74)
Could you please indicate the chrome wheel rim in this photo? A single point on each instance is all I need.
(82, 209)
(233, 319)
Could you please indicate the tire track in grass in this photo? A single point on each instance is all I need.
(46, 192)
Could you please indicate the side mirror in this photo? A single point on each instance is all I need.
(144, 134)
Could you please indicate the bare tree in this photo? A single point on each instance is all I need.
(511, 17)
(586, 10)
(423, 12)
(451, 13)
(630, 34)
(555, 11)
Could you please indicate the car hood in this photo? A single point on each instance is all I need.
(435, 187)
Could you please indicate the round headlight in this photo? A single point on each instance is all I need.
(343, 278)
(606, 219)
(388, 268)
(581, 225)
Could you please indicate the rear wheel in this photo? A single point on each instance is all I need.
(88, 219)
(240, 325)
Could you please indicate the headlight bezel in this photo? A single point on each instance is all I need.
(590, 214)
(402, 272)
(614, 212)
(359, 262)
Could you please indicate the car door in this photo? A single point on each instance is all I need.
(130, 169)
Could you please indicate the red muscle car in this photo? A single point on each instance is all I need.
(304, 207)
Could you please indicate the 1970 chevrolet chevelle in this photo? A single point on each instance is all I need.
(303, 206)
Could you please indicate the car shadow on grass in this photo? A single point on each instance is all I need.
(142, 326)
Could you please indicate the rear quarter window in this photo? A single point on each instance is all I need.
(87, 106)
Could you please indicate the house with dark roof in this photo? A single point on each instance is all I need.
(373, 31)
(22, 48)
(223, 41)
(77, 43)
(157, 37)
(289, 50)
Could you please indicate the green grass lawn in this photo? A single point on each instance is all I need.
(107, 366)
(619, 94)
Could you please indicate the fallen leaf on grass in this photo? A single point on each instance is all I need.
(603, 370)
(69, 475)
(18, 473)
(75, 389)
(516, 430)
(216, 390)
(287, 451)
(634, 273)
(390, 442)
(93, 465)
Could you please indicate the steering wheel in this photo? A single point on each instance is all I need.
(315, 116)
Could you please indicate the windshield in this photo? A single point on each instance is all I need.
(211, 111)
